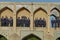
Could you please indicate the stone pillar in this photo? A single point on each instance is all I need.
(14, 18)
(31, 19)
(48, 26)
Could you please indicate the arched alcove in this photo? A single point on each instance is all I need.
(54, 17)
(6, 15)
(6, 11)
(40, 13)
(31, 37)
(58, 38)
(23, 14)
(2, 37)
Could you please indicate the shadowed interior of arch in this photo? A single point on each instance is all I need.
(2, 37)
(31, 37)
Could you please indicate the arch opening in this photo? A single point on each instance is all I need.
(23, 17)
(2, 37)
(40, 17)
(55, 17)
(31, 37)
(58, 38)
(6, 17)
(52, 20)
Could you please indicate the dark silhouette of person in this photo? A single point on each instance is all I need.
(2, 21)
(36, 22)
(40, 22)
(53, 22)
(6, 21)
(27, 22)
(18, 21)
(44, 22)
(11, 21)
(58, 22)
(22, 22)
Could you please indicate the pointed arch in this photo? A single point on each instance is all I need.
(5, 8)
(53, 15)
(22, 9)
(30, 36)
(55, 9)
(2, 37)
(58, 38)
(40, 9)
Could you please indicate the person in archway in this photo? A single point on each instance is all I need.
(28, 22)
(6, 21)
(25, 22)
(53, 22)
(40, 22)
(18, 21)
(44, 22)
(58, 22)
(22, 21)
(2, 21)
(11, 21)
(36, 22)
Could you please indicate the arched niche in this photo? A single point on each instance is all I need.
(31, 37)
(3, 37)
(54, 15)
(58, 38)
(23, 12)
(40, 13)
(6, 11)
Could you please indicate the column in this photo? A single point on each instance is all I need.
(14, 18)
(31, 19)
(48, 23)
